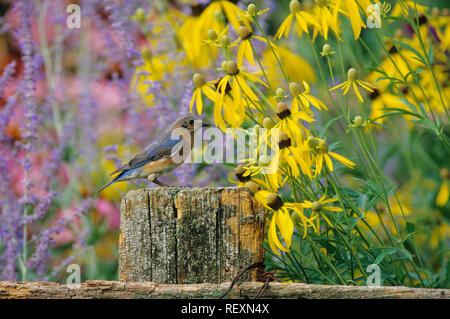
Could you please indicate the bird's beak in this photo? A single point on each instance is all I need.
(204, 124)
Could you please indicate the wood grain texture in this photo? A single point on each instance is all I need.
(150, 290)
(190, 235)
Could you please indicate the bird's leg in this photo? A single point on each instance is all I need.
(156, 181)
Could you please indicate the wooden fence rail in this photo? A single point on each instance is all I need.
(122, 289)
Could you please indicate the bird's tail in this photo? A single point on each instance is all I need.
(104, 186)
(118, 178)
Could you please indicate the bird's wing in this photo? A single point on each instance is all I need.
(161, 147)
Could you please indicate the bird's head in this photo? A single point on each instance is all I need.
(189, 122)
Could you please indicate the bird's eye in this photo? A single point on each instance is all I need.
(191, 122)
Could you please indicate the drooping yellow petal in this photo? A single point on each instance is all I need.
(443, 195)
(319, 163)
(245, 88)
(342, 159)
(285, 27)
(328, 161)
(209, 92)
(285, 225)
(338, 86)
(355, 18)
(355, 88)
(194, 97)
(199, 102)
(274, 242)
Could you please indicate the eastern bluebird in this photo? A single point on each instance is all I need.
(163, 155)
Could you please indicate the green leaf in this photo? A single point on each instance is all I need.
(388, 251)
(328, 124)
(407, 254)
(410, 227)
(411, 106)
(430, 55)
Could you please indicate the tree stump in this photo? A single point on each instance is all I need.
(190, 235)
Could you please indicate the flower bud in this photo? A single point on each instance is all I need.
(282, 110)
(326, 49)
(254, 188)
(296, 218)
(232, 68)
(139, 14)
(324, 146)
(268, 123)
(279, 94)
(225, 40)
(352, 74)
(312, 142)
(358, 120)
(252, 9)
(294, 88)
(212, 35)
(224, 65)
(244, 33)
(274, 201)
(198, 80)
(316, 206)
(294, 6)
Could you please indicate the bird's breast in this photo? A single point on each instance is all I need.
(159, 167)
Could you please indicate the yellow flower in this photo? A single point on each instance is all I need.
(302, 19)
(289, 120)
(238, 89)
(231, 11)
(201, 86)
(318, 206)
(281, 219)
(245, 48)
(352, 75)
(305, 98)
(294, 156)
(351, 9)
(252, 12)
(325, 20)
(320, 148)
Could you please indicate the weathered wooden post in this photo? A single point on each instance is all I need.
(190, 235)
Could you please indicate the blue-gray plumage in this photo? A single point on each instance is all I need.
(161, 156)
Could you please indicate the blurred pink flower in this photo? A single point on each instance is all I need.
(109, 211)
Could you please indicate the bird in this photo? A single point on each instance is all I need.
(161, 156)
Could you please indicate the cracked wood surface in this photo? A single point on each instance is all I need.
(120, 289)
(190, 235)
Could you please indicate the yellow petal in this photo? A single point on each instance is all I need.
(443, 195)
(342, 159)
(357, 92)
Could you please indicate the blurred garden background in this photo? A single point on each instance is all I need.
(77, 102)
